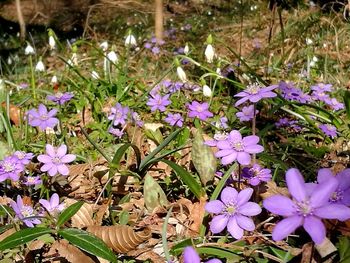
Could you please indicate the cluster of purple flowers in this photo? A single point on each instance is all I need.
(329, 130)
(255, 93)
(12, 166)
(199, 110)
(29, 216)
(60, 98)
(154, 46)
(285, 122)
(42, 118)
(256, 174)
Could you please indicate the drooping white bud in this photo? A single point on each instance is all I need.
(95, 75)
(52, 42)
(29, 50)
(112, 56)
(130, 40)
(40, 66)
(104, 46)
(54, 79)
(209, 53)
(181, 74)
(186, 49)
(207, 91)
(309, 41)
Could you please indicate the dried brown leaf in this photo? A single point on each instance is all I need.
(120, 238)
(14, 113)
(273, 189)
(7, 233)
(197, 214)
(71, 253)
(84, 216)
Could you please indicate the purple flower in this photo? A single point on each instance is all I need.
(24, 211)
(116, 132)
(199, 110)
(10, 168)
(334, 104)
(119, 114)
(289, 91)
(32, 180)
(233, 212)
(237, 148)
(23, 158)
(60, 98)
(256, 174)
(53, 206)
(247, 113)
(137, 119)
(329, 130)
(157, 102)
(148, 45)
(321, 87)
(341, 195)
(218, 136)
(305, 209)
(55, 160)
(285, 122)
(191, 256)
(174, 119)
(42, 118)
(155, 50)
(255, 93)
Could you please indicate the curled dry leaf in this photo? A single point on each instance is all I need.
(84, 216)
(120, 238)
(69, 252)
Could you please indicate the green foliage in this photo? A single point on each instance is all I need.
(344, 249)
(68, 213)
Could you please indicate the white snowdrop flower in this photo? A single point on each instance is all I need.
(52, 42)
(312, 64)
(324, 45)
(130, 40)
(209, 53)
(29, 50)
(218, 71)
(315, 59)
(54, 79)
(309, 41)
(104, 46)
(40, 66)
(181, 74)
(9, 60)
(112, 56)
(186, 49)
(95, 75)
(207, 91)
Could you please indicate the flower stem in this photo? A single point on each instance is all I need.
(239, 177)
(32, 80)
(254, 128)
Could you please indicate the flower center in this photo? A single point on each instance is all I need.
(230, 209)
(304, 208)
(8, 167)
(56, 160)
(238, 146)
(44, 117)
(199, 109)
(336, 196)
(253, 89)
(27, 211)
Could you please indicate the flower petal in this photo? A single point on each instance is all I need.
(43, 158)
(254, 148)
(286, 227)
(280, 205)
(228, 195)
(296, 184)
(234, 229)
(333, 211)
(46, 204)
(50, 150)
(229, 158)
(190, 255)
(218, 223)
(249, 209)
(61, 151)
(46, 167)
(244, 196)
(63, 169)
(315, 228)
(324, 174)
(243, 158)
(52, 171)
(251, 140)
(245, 222)
(215, 207)
(68, 158)
(323, 192)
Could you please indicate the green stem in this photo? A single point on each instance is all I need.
(32, 80)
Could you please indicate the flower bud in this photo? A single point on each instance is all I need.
(181, 74)
(29, 50)
(186, 49)
(104, 46)
(130, 40)
(54, 79)
(95, 75)
(209, 53)
(207, 91)
(40, 66)
(112, 56)
(52, 42)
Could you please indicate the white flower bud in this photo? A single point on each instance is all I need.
(207, 91)
(186, 49)
(181, 74)
(130, 40)
(209, 53)
(309, 41)
(54, 79)
(9, 60)
(95, 75)
(40, 66)
(112, 56)
(104, 46)
(52, 42)
(29, 50)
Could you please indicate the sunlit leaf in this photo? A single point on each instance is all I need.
(68, 213)
(153, 194)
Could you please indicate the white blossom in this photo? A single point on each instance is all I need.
(181, 74)
(209, 53)
(130, 40)
(104, 46)
(29, 50)
(95, 75)
(52, 42)
(54, 79)
(40, 66)
(207, 91)
(309, 41)
(186, 49)
(112, 56)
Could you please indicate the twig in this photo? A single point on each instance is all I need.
(21, 22)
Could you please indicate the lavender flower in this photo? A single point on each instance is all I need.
(191, 256)
(119, 114)
(218, 136)
(155, 50)
(329, 130)
(334, 104)
(321, 87)
(158, 102)
(53, 206)
(137, 119)
(32, 180)
(24, 212)
(174, 119)
(116, 132)
(233, 212)
(305, 209)
(55, 160)
(255, 93)
(237, 148)
(148, 45)
(60, 98)
(247, 113)
(23, 158)
(256, 174)
(42, 118)
(199, 110)
(10, 168)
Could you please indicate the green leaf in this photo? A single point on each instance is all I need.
(286, 256)
(68, 213)
(153, 194)
(146, 161)
(219, 252)
(121, 151)
(347, 103)
(23, 236)
(186, 178)
(344, 249)
(203, 159)
(88, 242)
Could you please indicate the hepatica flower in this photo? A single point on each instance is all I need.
(42, 118)
(10, 168)
(233, 212)
(256, 174)
(52, 206)
(235, 147)
(329, 130)
(174, 119)
(158, 102)
(305, 209)
(247, 113)
(24, 212)
(32, 180)
(255, 93)
(199, 110)
(119, 114)
(191, 256)
(60, 98)
(55, 160)
(23, 157)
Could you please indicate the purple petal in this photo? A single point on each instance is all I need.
(280, 205)
(344, 178)
(254, 148)
(15, 207)
(68, 158)
(244, 196)
(234, 229)
(241, 94)
(42, 110)
(43, 158)
(50, 150)
(324, 174)
(45, 204)
(315, 228)
(214, 260)
(249, 209)
(224, 145)
(251, 140)
(296, 184)
(52, 113)
(255, 98)
(46, 167)
(269, 94)
(218, 223)
(52, 171)
(235, 135)
(61, 151)
(243, 158)
(222, 153)
(229, 195)
(190, 255)
(54, 200)
(333, 211)
(215, 207)
(63, 169)
(229, 158)
(323, 192)
(245, 222)
(286, 227)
